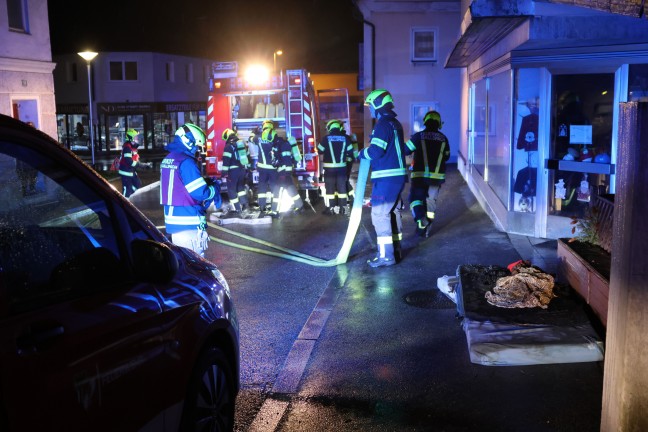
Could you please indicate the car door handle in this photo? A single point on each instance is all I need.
(36, 338)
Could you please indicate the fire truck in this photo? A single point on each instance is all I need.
(288, 99)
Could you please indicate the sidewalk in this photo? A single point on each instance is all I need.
(395, 320)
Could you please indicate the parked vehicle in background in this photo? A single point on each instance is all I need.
(105, 325)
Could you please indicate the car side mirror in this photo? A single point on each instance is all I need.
(154, 262)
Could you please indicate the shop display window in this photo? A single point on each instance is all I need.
(491, 132)
(499, 134)
(580, 141)
(525, 140)
(638, 83)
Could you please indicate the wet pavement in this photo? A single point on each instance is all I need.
(354, 348)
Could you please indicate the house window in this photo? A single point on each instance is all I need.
(72, 73)
(424, 44)
(190, 73)
(419, 109)
(123, 71)
(170, 72)
(17, 14)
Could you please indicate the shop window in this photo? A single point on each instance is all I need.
(581, 141)
(498, 129)
(424, 44)
(17, 14)
(525, 140)
(123, 71)
(480, 120)
(638, 83)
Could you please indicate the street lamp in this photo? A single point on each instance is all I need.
(88, 56)
(274, 59)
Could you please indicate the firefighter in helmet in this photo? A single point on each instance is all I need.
(128, 164)
(335, 149)
(431, 151)
(386, 153)
(186, 195)
(235, 162)
(285, 158)
(267, 172)
(349, 168)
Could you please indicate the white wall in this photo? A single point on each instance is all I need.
(26, 68)
(418, 82)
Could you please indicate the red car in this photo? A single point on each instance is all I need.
(104, 324)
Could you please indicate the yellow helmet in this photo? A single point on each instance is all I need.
(131, 134)
(191, 135)
(433, 115)
(378, 99)
(333, 124)
(267, 124)
(227, 133)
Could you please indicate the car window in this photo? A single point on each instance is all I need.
(57, 238)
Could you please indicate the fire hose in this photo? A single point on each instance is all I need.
(281, 252)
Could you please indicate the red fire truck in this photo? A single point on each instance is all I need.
(288, 99)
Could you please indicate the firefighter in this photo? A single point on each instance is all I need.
(234, 164)
(284, 160)
(335, 150)
(128, 164)
(349, 168)
(267, 172)
(386, 153)
(186, 195)
(431, 151)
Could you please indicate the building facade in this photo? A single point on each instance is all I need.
(26, 83)
(541, 91)
(153, 93)
(528, 92)
(404, 50)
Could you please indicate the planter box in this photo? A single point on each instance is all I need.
(587, 269)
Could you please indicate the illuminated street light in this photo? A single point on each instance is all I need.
(88, 56)
(274, 59)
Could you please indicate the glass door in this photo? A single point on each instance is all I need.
(581, 137)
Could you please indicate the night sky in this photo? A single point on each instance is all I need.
(319, 35)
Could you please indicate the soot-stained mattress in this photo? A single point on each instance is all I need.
(562, 333)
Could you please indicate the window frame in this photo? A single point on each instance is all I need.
(17, 11)
(125, 70)
(416, 33)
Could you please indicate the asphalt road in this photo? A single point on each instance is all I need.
(353, 348)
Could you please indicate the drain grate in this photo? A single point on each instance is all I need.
(428, 299)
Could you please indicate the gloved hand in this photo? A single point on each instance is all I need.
(202, 238)
(211, 181)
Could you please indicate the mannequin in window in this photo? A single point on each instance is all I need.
(526, 178)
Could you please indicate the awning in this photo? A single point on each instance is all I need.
(480, 35)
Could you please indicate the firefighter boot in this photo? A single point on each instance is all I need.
(398, 252)
(384, 257)
(421, 227)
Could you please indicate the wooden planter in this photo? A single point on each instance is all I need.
(587, 269)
